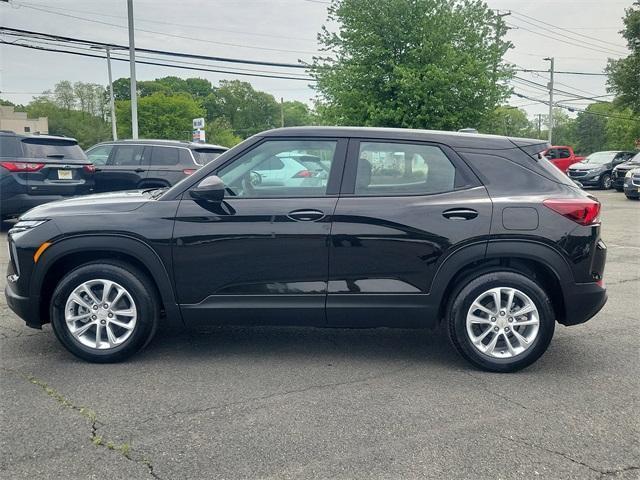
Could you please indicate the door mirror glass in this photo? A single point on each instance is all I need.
(210, 189)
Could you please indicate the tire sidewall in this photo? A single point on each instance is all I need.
(458, 317)
(134, 283)
(606, 178)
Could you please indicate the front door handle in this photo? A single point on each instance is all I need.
(139, 170)
(460, 214)
(306, 215)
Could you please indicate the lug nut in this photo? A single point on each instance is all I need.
(493, 319)
(502, 312)
(95, 307)
(103, 322)
(511, 319)
(110, 315)
(496, 328)
(506, 329)
(106, 305)
(93, 317)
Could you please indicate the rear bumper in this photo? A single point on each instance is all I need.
(582, 302)
(25, 307)
(631, 190)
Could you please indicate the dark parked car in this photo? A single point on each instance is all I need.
(133, 164)
(36, 169)
(409, 229)
(596, 170)
(620, 171)
(632, 184)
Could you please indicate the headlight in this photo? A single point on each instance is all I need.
(23, 225)
(629, 174)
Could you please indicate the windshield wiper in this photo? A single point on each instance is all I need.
(55, 155)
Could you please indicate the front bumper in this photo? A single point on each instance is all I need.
(590, 180)
(25, 307)
(23, 202)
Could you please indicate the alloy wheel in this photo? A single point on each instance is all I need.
(502, 322)
(100, 314)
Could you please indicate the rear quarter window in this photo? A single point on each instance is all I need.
(9, 147)
(205, 155)
(52, 149)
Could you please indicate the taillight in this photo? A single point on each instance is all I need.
(304, 174)
(22, 166)
(189, 171)
(583, 211)
(89, 168)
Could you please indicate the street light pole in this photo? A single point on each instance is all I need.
(132, 66)
(112, 103)
(551, 70)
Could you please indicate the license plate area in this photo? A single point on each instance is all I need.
(65, 175)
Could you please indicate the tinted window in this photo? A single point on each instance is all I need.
(165, 156)
(99, 155)
(9, 147)
(126, 155)
(243, 176)
(204, 156)
(600, 158)
(403, 169)
(63, 150)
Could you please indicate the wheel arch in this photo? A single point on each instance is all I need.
(538, 261)
(69, 253)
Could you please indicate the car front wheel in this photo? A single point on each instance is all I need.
(605, 182)
(104, 311)
(501, 321)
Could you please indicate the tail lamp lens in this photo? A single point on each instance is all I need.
(304, 174)
(89, 168)
(22, 166)
(189, 171)
(582, 211)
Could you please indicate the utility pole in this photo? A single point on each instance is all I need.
(539, 124)
(132, 67)
(551, 70)
(281, 112)
(112, 103)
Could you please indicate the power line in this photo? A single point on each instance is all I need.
(183, 37)
(528, 70)
(283, 77)
(544, 87)
(43, 35)
(518, 14)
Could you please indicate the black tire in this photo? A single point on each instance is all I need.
(629, 197)
(466, 294)
(138, 285)
(619, 189)
(605, 182)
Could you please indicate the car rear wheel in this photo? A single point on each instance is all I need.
(501, 321)
(605, 182)
(104, 311)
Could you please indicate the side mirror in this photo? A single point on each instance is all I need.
(210, 189)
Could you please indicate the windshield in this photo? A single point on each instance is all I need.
(636, 159)
(203, 156)
(52, 149)
(600, 158)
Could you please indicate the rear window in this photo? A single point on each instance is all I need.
(204, 156)
(52, 150)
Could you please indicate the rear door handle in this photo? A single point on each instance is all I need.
(139, 170)
(306, 215)
(460, 214)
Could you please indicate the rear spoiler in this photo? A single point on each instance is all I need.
(530, 146)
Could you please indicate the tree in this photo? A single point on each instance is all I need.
(247, 110)
(411, 63)
(591, 127)
(564, 128)
(160, 116)
(622, 133)
(64, 95)
(296, 113)
(505, 120)
(220, 132)
(624, 74)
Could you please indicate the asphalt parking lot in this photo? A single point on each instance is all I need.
(312, 403)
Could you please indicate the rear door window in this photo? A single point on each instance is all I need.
(52, 149)
(165, 156)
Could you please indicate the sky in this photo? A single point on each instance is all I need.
(581, 35)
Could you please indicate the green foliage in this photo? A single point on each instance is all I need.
(510, 121)
(296, 114)
(591, 127)
(624, 73)
(160, 116)
(220, 132)
(411, 63)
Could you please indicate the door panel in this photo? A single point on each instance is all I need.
(257, 258)
(385, 249)
(126, 167)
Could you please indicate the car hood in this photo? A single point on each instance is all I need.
(627, 166)
(113, 202)
(587, 166)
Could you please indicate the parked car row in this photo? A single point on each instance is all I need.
(36, 169)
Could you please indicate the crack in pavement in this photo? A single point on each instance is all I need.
(270, 396)
(500, 395)
(602, 473)
(123, 449)
(635, 279)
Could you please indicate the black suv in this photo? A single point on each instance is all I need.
(620, 171)
(596, 169)
(36, 169)
(409, 228)
(133, 164)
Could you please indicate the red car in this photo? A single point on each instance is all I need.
(562, 157)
